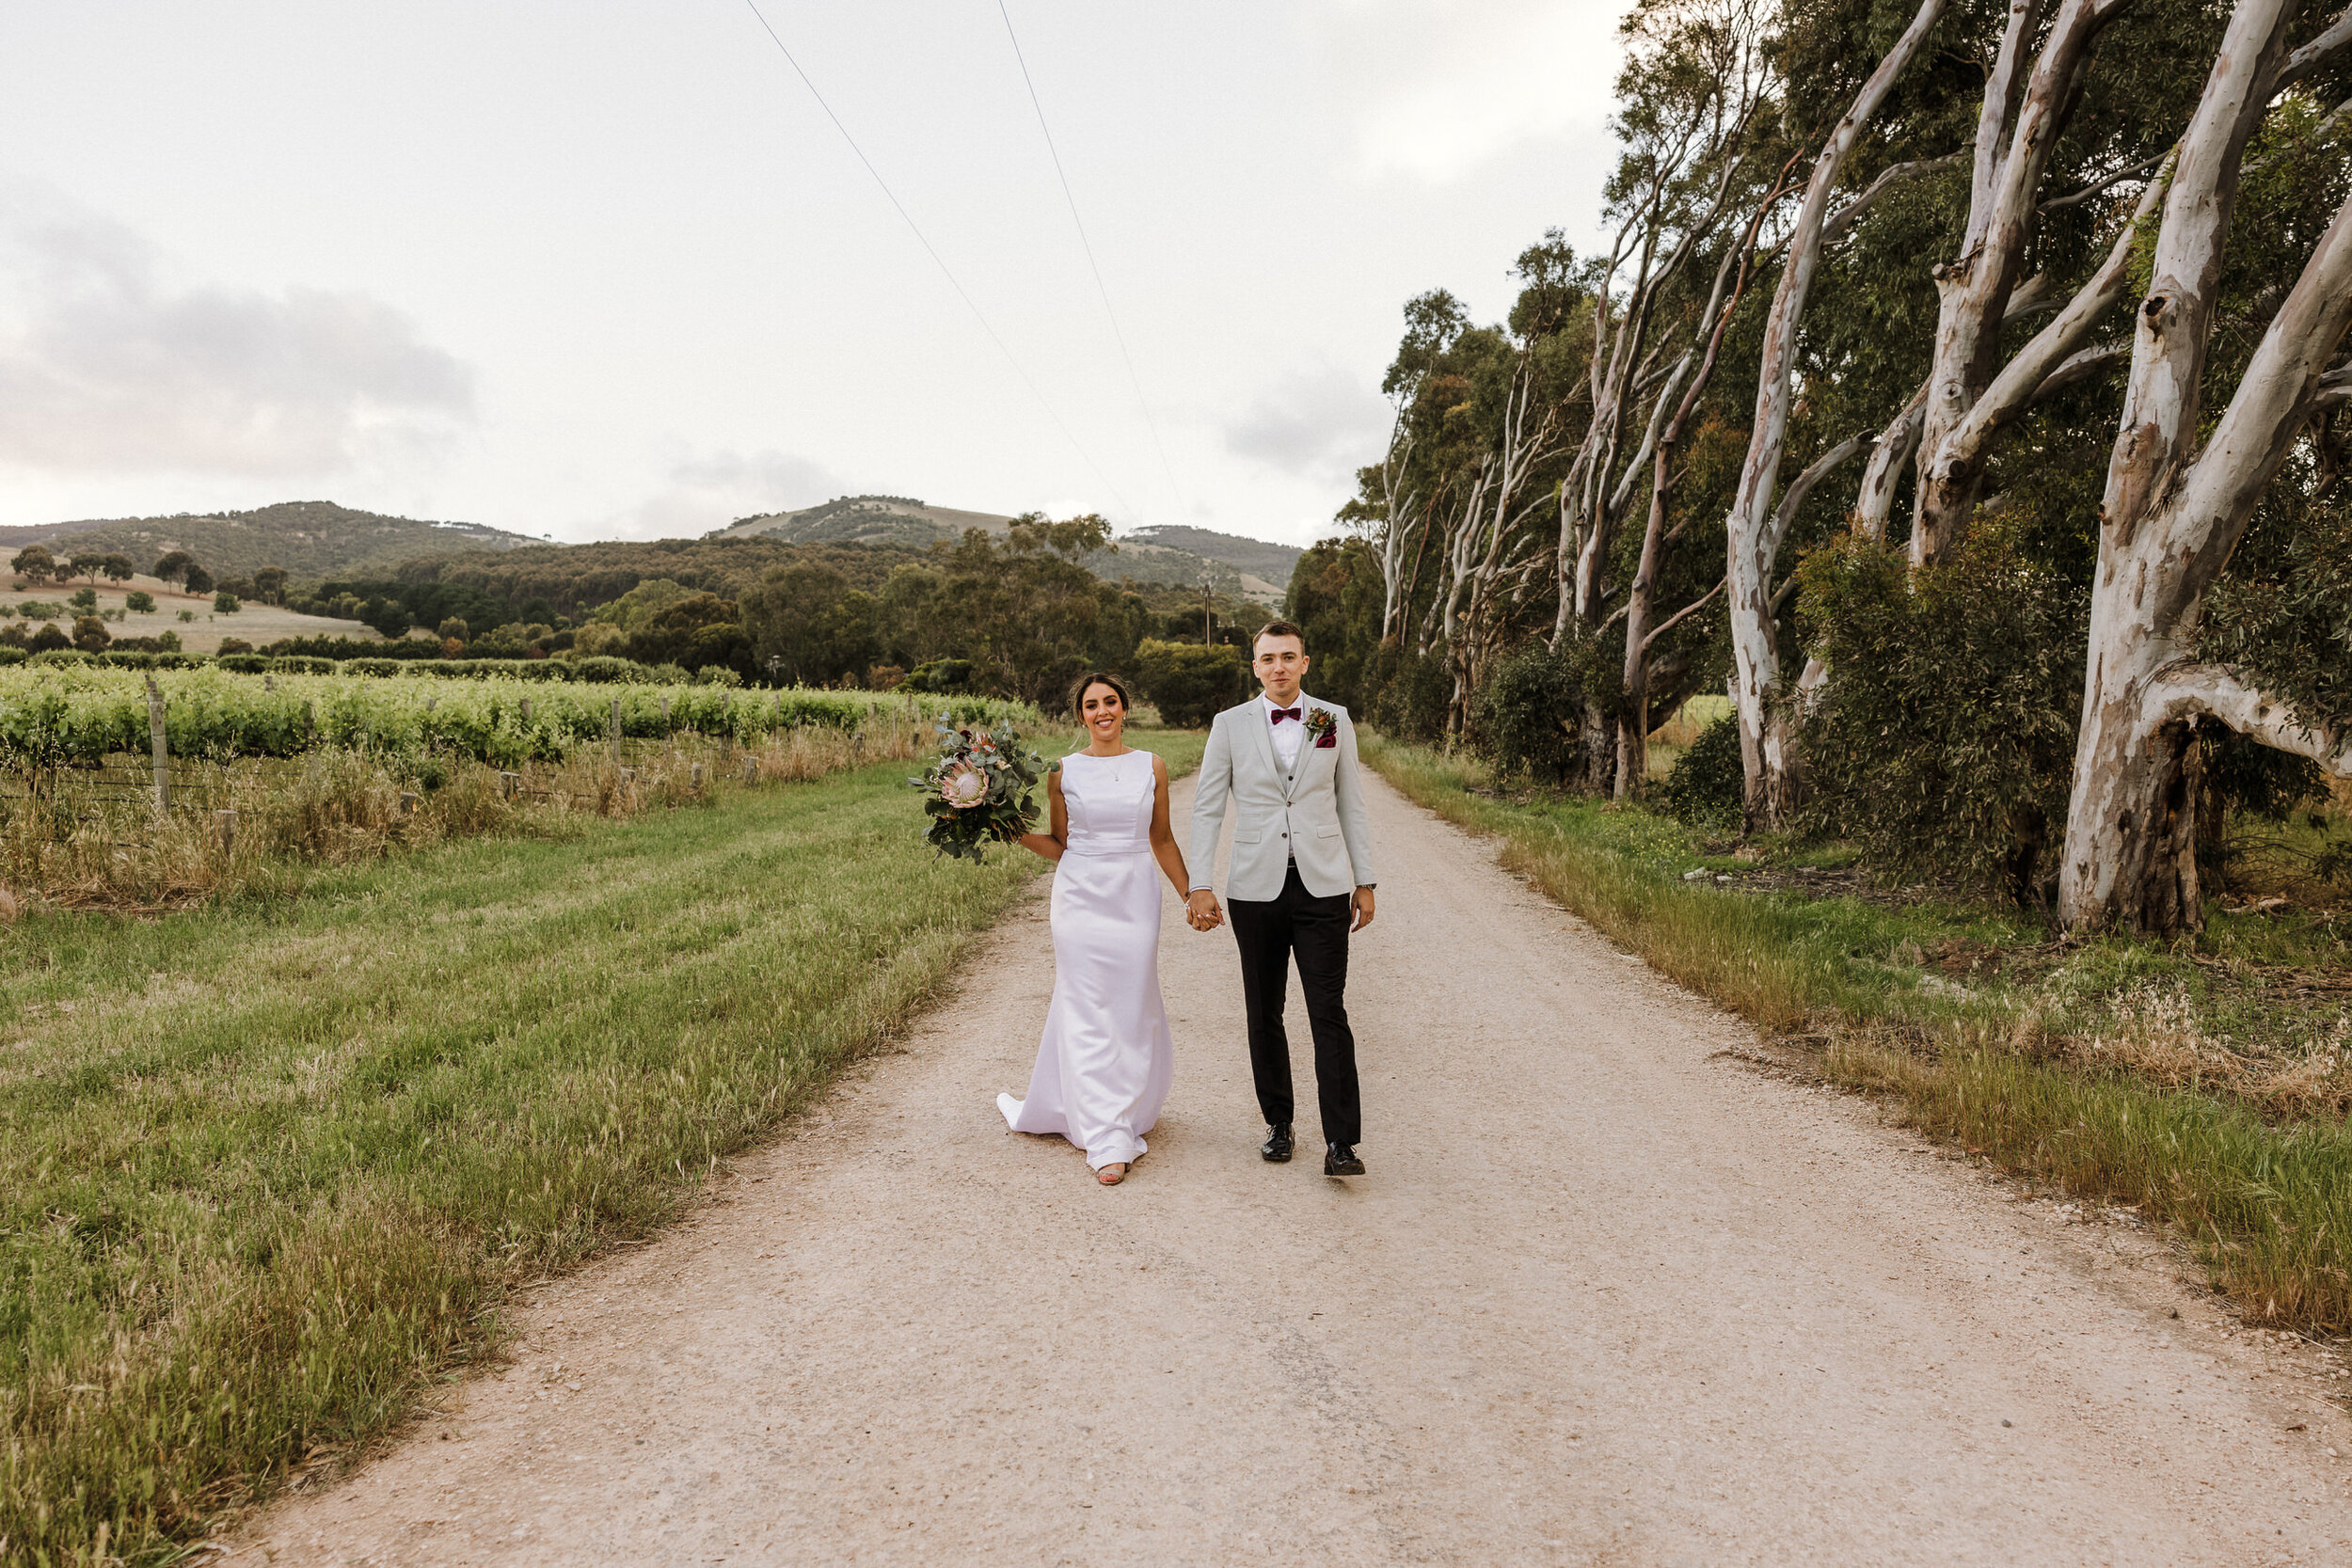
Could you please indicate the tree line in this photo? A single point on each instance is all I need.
(1959, 390)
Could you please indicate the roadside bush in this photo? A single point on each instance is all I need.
(1943, 742)
(1525, 719)
(1412, 692)
(1191, 683)
(1707, 786)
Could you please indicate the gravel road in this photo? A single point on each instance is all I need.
(1609, 1295)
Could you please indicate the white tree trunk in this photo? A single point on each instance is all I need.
(1752, 544)
(2174, 511)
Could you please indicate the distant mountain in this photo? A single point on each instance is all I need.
(1268, 563)
(1170, 554)
(866, 520)
(312, 540)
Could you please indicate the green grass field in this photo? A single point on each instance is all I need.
(265, 1167)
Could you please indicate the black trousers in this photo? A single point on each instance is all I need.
(1316, 930)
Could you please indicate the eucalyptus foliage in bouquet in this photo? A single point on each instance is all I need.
(979, 792)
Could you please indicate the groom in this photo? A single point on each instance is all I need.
(1299, 882)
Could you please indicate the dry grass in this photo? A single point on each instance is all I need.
(257, 827)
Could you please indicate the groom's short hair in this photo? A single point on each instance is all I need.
(1280, 629)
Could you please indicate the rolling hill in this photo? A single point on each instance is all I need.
(312, 540)
(1170, 554)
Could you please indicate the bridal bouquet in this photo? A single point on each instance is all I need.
(979, 792)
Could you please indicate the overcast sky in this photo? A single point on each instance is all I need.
(603, 268)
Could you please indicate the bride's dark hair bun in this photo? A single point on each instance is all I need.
(1099, 677)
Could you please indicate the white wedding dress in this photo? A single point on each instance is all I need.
(1105, 1062)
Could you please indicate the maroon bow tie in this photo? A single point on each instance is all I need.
(1283, 713)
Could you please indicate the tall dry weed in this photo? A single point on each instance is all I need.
(2154, 1031)
(251, 827)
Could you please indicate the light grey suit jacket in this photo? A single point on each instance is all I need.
(1313, 813)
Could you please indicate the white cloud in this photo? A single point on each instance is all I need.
(110, 365)
(1321, 425)
(709, 492)
(1435, 87)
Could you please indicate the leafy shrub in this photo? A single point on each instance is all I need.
(235, 645)
(139, 599)
(242, 660)
(225, 603)
(1191, 683)
(187, 615)
(947, 675)
(85, 600)
(1945, 739)
(90, 634)
(1412, 694)
(1526, 717)
(13, 656)
(1708, 785)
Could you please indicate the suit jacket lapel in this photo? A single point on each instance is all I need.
(1255, 717)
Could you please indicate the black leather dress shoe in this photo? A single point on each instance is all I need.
(1340, 1160)
(1276, 1149)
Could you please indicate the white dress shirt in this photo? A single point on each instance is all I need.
(1290, 734)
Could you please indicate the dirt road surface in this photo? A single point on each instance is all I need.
(1609, 1295)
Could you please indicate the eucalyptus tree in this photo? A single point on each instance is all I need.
(1755, 526)
(1696, 86)
(2182, 486)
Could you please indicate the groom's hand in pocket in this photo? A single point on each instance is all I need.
(1201, 912)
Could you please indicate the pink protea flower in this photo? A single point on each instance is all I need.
(963, 787)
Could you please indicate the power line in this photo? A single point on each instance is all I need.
(1134, 380)
(933, 252)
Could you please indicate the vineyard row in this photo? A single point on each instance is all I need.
(66, 716)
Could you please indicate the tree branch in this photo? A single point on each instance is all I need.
(2059, 203)
(2082, 366)
(2319, 52)
(1684, 613)
(1851, 213)
(2186, 691)
(1802, 487)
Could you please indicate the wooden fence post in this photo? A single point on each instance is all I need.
(507, 784)
(161, 746)
(225, 824)
(408, 803)
(269, 682)
(526, 710)
(698, 775)
(614, 725)
(751, 770)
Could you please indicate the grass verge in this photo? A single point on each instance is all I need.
(267, 1165)
(2038, 1068)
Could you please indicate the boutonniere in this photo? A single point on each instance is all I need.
(1323, 728)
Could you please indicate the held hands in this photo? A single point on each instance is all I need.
(1201, 912)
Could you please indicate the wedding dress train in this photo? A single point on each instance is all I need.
(1106, 1059)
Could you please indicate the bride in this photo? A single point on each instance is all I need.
(1103, 1064)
